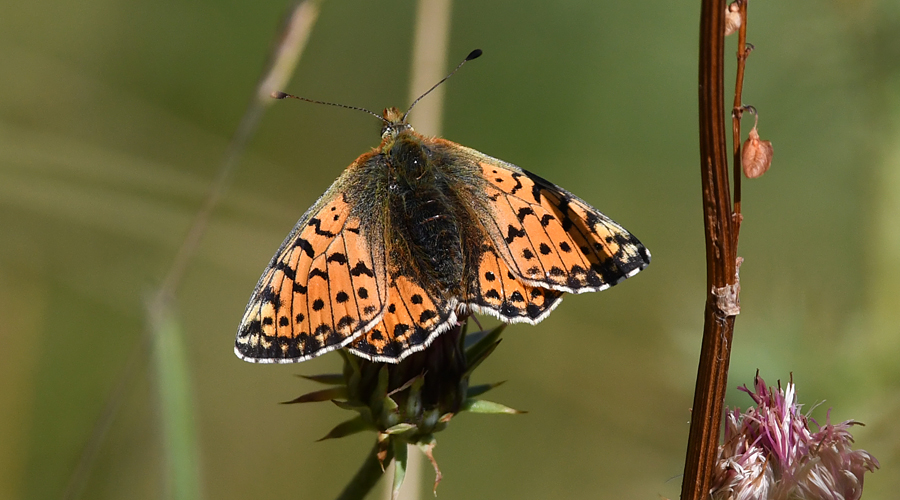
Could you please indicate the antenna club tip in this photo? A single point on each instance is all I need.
(475, 54)
(278, 94)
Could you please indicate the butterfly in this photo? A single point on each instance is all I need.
(416, 232)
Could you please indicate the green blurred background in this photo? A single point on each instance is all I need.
(114, 118)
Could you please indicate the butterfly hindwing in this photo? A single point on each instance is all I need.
(324, 287)
(411, 321)
(551, 238)
(495, 290)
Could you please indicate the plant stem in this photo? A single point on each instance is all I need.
(736, 114)
(721, 260)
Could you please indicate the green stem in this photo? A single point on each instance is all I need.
(367, 475)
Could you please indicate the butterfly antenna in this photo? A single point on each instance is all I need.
(283, 95)
(472, 55)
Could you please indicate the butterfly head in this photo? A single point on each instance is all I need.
(394, 123)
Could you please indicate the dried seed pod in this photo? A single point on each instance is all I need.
(732, 18)
(756, 158)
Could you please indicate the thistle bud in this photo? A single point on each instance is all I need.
(756, 158)
(408, 402)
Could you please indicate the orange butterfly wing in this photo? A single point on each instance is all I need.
(412, 320)
(495, 290)
(549, 237)
(324, 287)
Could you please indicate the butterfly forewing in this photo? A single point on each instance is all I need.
(551, 238)
(324, 287)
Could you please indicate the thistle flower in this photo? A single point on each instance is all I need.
(770, 453)
(408, 402)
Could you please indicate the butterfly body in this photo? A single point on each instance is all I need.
(415, 232)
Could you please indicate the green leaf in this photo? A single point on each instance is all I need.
(399, 428)
(352, 426)
(483, 343)
(389, 413)
(414, 399)
(351, 363)
(482, 406)
(176, 401)
(478, 390)
(323, 395)
(473, 338)
(474, 361)
(380, 392)
(464, 336)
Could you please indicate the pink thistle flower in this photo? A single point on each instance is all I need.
(770, 453)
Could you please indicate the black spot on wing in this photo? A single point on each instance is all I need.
(268, 296)
(318, 224)
(311, 344)
(305, 246)
(518, 185)
(345, 322)
(361, 268)
(508, 310)
(524, 212)
(318, 272)
(418, 336)
(400, 329)
(289, 273)
(337, 257)
(512, 233)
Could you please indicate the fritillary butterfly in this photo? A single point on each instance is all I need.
(412, 234)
